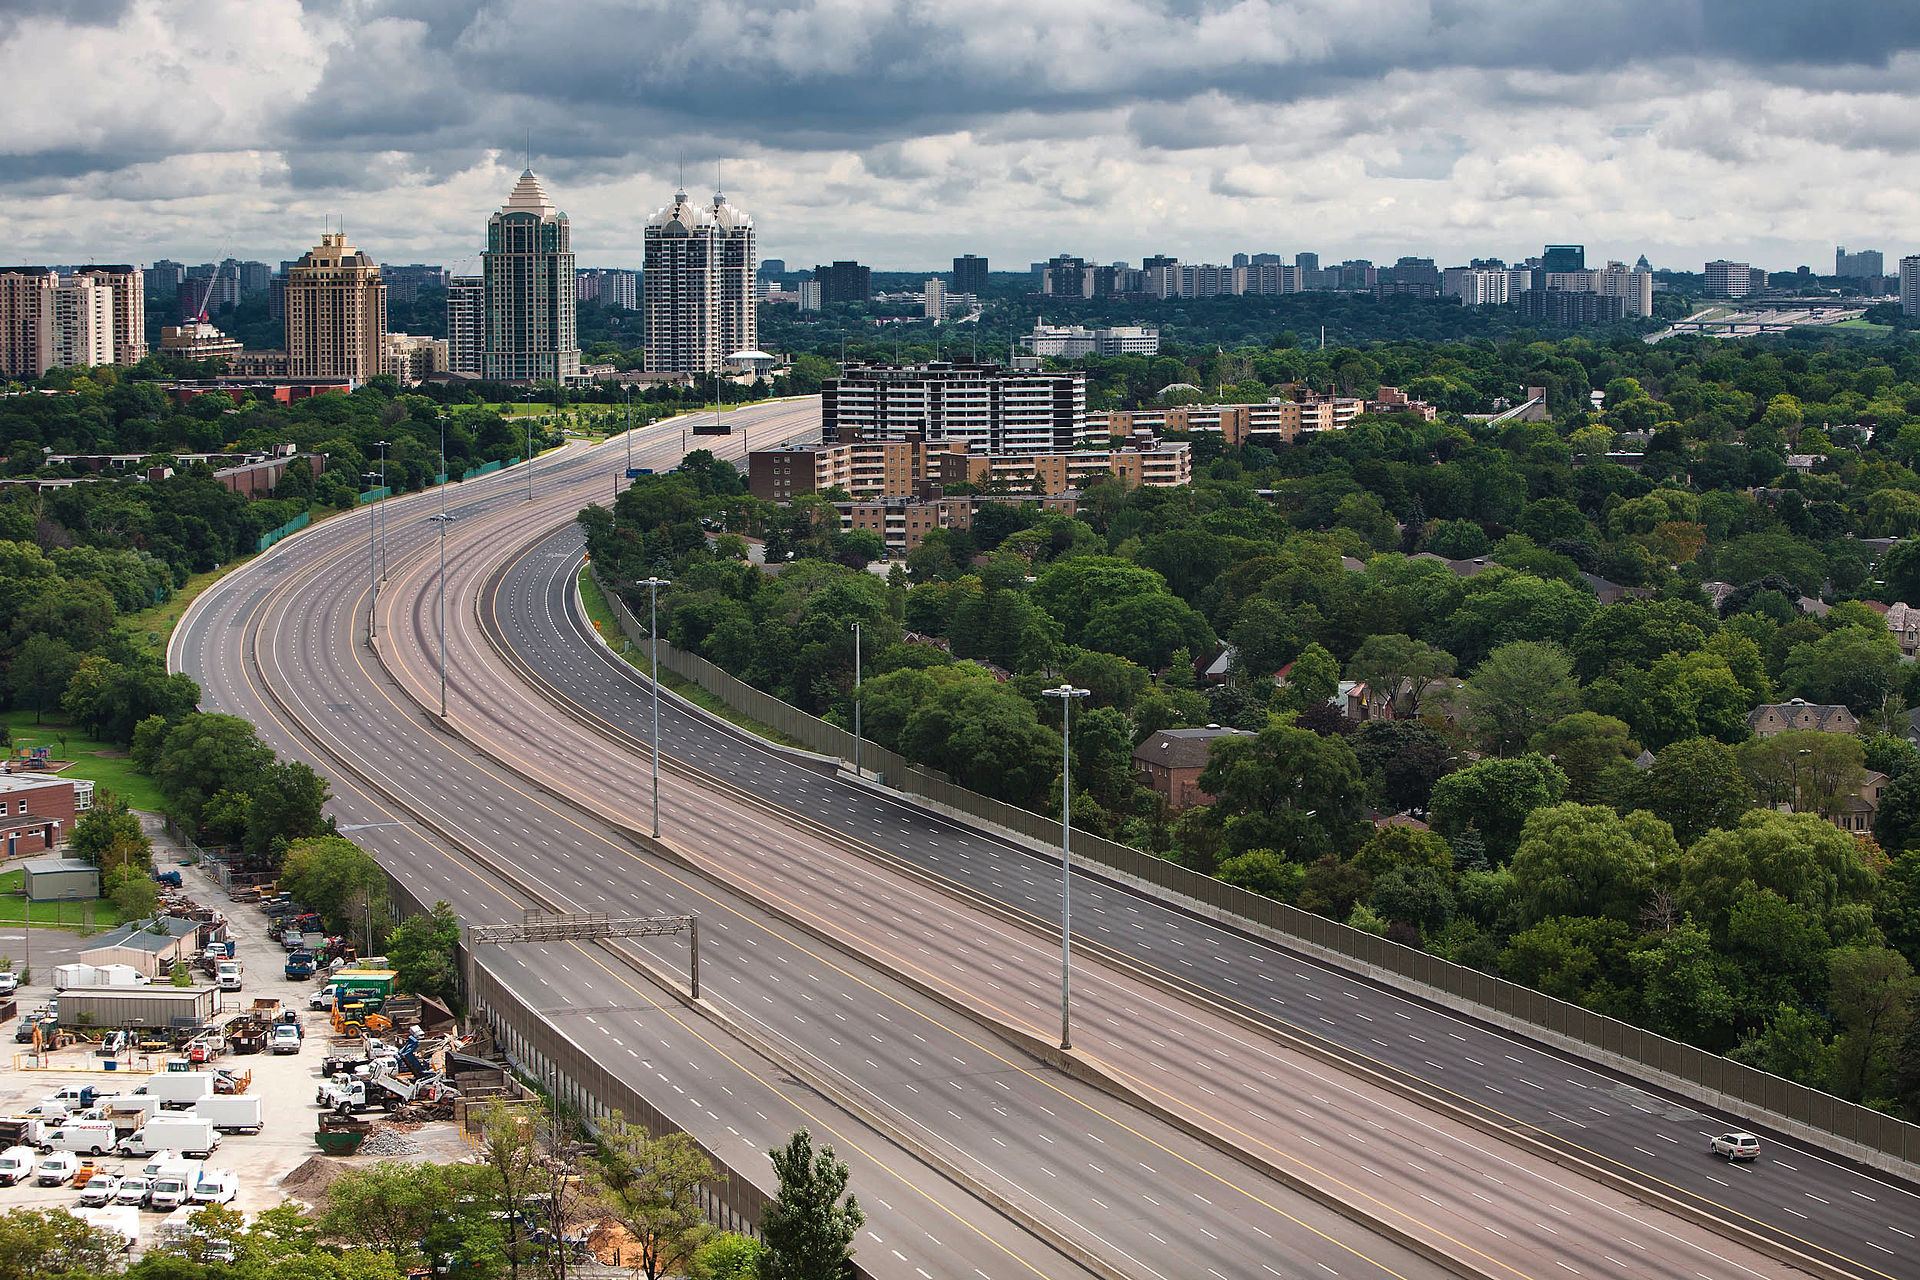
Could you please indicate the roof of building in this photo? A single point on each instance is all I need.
(1182, 748)
(28, 781)
(530, 197)
(729, 217)
(136, 935)
(54, 866)
(1824, 714)
(682, 216)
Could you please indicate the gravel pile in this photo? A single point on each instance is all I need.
(385, 1142)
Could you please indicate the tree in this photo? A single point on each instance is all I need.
(39, 672)
(203, 755)
(1146, 628)
(1792, 1043)
(414, 1213)
(1579, 859)
(728, 1257)
(807, 1227)
(1519, 690)
(339, 879)
(131, 891)
(423, 951)
(1803, 769)
(1855, 665)
(1596, 752)
(1413, 895)
(513, 1173)
(1494, 797)
(1797, 855)
(1686, 989)
(54, 1243)
(109, 836)
(1285, 788)
(1871, 992)
(651, 1186)
(1582, 959)
(1313, 680)
(1402, 760)
(1399, 667)
(1695, 786)
(285, 804)
(1073, 590)
(986, 737)
(1264, 872)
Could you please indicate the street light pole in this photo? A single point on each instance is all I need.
(653, 586)
(373, 556)
(443, 520)
(381, 505)
(856, 698)
(628, 388)
(1067, 695)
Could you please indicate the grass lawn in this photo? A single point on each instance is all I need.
(697, 694)
(98, 914)
(1859, 324)
(113, 772)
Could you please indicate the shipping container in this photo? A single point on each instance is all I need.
(149, 1008)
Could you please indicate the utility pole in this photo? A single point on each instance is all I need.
(653, 586)
(443, 520)
(1067, 695)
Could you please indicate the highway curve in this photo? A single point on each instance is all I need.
(281, 642)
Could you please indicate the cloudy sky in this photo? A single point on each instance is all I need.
(903, 132)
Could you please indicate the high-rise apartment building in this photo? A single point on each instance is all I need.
(251, 277)
(772, 267)
(1306, 262)
(935, 308)
(467, 325)
(608, 286)
(404, 282)
(1564, 257)
(1066, 276)
(527, 272)
(986, 407)
(970, 275)
(1733, 279)
(1910, 286)
(698, 281)
(844, 281)
(49, 321)
(1617, 280)
(1867, 264)
(1475, 286)
(129, 287)
(336, 312)
(164, 276)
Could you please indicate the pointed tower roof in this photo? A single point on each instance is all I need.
(530, 197)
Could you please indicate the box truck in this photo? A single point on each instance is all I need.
(236, 1113)
(189, 1135)
(177, 1089)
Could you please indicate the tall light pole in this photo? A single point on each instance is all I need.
(653, 586)
(628, 388)
(373, 554)
(443, 520)
(380, 504)
(856, 697)
(1067, 695)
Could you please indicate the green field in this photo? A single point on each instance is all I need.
(1859, 325)
(112, 771)
(98, 914)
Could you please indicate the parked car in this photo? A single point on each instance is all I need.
(100, 1189)
(286, 1039)
(133, 1190)
(56, 1168)
(1737, 1146)
(9, 982)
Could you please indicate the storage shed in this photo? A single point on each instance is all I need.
(149, 946)
(61, 880)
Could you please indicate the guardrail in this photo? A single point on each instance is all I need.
(1708, 1077)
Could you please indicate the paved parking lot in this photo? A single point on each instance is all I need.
(284, 1083)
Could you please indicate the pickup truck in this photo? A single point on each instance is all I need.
(300, 966)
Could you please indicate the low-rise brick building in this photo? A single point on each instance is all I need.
(1170, 763)
(37, 810)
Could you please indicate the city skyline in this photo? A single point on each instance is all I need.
(904, 135)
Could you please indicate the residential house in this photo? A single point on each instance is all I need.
(1856, 812)
(1778, 717)
(1170, 763)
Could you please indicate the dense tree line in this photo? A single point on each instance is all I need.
(1599, 820)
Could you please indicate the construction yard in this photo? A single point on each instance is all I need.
(282, 1160)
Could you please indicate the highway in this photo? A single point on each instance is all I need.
(279, 642)
(876, 922)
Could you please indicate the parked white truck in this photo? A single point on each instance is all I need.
(177, 1090)
(236, 1113)
(190, 1135)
